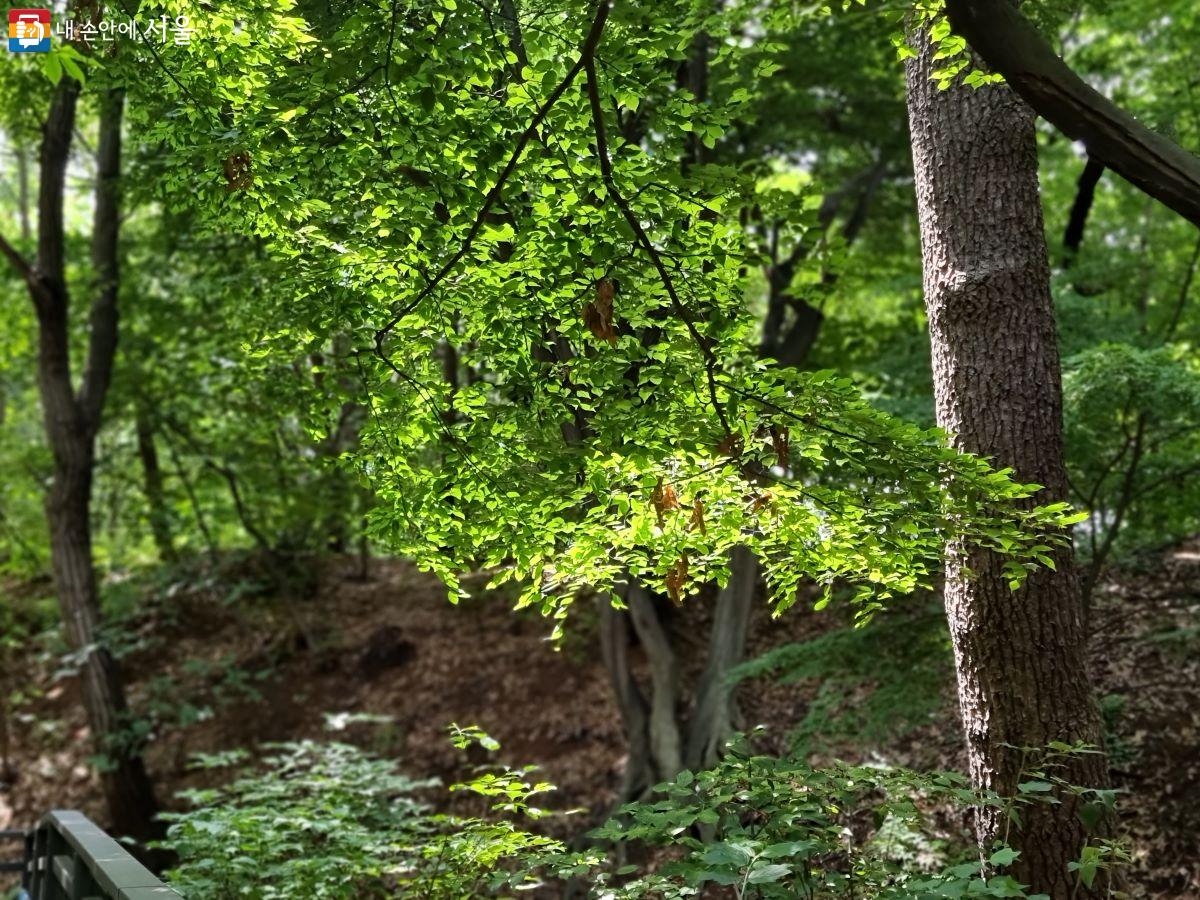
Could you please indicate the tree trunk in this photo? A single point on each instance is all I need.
(72, 420)
(666, 743)
(23, 192)
(631, 703)
(152, 486)
(714, 716)
(127, 788)
(1022, 680)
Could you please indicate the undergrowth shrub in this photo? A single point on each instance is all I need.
(759, 828)
(325, 820)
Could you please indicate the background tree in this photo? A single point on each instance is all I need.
(72, 420)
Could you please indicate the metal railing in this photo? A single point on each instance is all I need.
(69, 857)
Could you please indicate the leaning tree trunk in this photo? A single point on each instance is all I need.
(127, 788)
(715, 713)
(1022, 680)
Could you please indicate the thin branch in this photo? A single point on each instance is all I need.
(1184, 290)
(1171, 477)
(586, 52)
(1085, 194)
(635, 224)
(102, 339)
(13, 255)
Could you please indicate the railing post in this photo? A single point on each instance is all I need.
(68, 857)
(56, 847)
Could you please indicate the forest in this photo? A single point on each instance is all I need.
(616, 449)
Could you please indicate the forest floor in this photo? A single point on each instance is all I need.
(220, 666)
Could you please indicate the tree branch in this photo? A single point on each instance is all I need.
(14, 256)
(1012, 46)
(56, 149)
(643, 239)
(1184, 290)
(47, 277)
(1085, 193)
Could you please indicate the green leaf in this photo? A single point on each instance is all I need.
(1034, 787)
(1003, 857)
(765, 874)
(52, 67)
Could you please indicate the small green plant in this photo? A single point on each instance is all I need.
(320, 820)
(325, 820)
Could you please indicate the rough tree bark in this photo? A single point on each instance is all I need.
(1022, 680)
(72, 420)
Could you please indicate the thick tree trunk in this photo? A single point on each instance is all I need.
(1022, 680)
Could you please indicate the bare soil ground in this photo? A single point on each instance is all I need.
(253, 670)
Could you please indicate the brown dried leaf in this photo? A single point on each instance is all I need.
(664, 499)
(598, 314)
(697, 521)
(676, 580)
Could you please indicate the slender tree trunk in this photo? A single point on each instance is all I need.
(210, 543)
(72, 420)
(22, 155)
(127, 789)
(152, 486)
(715, 713)
(666, 742)
(1022, 680)
(615, 639)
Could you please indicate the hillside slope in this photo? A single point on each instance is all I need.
(221, 667)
